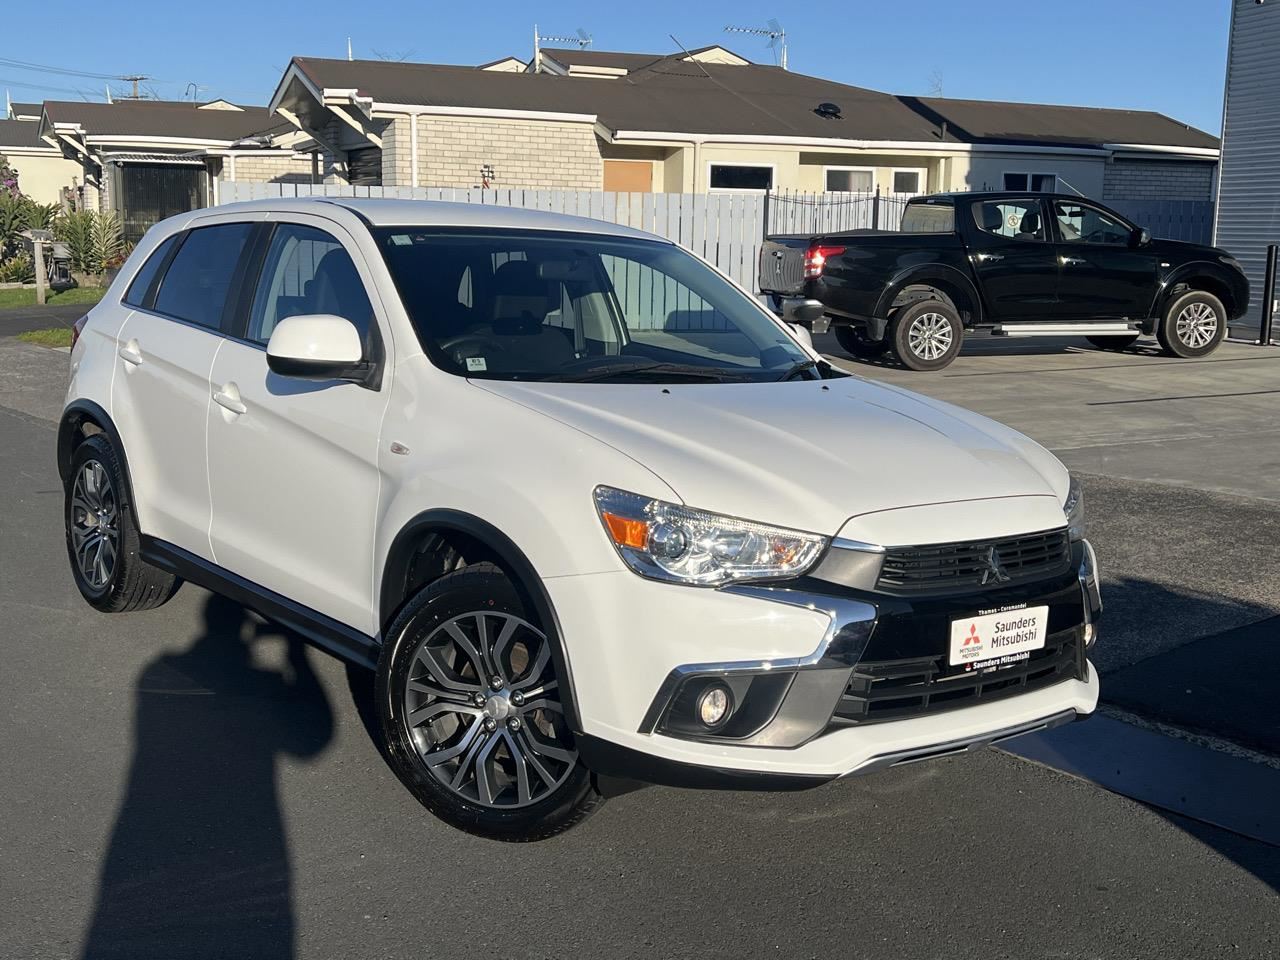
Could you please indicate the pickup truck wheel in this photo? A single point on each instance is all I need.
(855, 342)
(1112, 343)
(1193, 325)
(472, 712)
(926, 335)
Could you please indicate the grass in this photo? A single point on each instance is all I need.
(52, 337)
(26, 296)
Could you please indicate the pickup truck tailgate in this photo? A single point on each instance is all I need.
(782, 265)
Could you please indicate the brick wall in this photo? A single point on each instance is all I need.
(523, 153)
(396, 152)
(1157, 180)
(267, 169)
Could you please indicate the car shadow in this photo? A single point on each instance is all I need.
(1011, 347)
(198, 861)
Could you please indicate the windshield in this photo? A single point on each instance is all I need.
(515, 305)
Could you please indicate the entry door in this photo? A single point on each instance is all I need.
(1016, 264)
(1103, 274)
(293, 464)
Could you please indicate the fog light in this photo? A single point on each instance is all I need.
(713, 705)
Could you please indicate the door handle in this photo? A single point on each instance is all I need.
(992, 257)
(130, 353)
(1071, 261)
(229, 398)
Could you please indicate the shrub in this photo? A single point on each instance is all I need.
(75, 229)
(17, 269)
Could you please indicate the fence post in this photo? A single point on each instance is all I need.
(1268, 295)
(764, 232)
(875, 210)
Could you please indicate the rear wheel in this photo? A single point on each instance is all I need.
(854, 341)
(1112, 343)
(926, 335)
(1193, 325)
(472, 711)
(102, 535)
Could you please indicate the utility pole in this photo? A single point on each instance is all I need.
(135, 80)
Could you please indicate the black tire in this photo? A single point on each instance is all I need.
(854, 341)
(455, 600)
(107, 568)
(1193, 325)
(1113, 343)
(918, 348)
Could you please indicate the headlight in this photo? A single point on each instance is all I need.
(667, 541)
(1073, 507)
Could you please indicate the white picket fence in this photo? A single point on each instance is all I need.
(724, 228)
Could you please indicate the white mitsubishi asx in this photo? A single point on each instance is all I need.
(593, 514)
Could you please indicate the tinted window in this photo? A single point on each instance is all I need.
(1040, 182)
(726, 177)
(196, 285)
(307, 271)
(1080, 224)
(906, 181)
(142, 282)
(1014, 219)
(929, 218)
(850, 181)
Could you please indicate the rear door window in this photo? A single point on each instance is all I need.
(1012, 219)
(196, 285)
(146, 277)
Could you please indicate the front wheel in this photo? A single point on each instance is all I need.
(472, 711)
(1193, 325)
(855, 342)
(926, 335)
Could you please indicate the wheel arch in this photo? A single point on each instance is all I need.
(473, 539)
(1199, 275)
(80, 420)
(954, 285)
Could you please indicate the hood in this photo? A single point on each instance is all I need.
(807, 455)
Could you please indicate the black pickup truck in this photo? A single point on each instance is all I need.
(1015, 264)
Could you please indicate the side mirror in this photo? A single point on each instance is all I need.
(802, 311)
(317, 346)
(1141, 237)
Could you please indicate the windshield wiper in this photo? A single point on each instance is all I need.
(623, 369)
(800, 367)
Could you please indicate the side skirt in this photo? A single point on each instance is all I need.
(325, 632)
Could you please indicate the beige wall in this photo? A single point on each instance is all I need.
(42, 176)
(523, 153)
(812, 169)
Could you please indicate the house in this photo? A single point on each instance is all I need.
(710, 120)
(42, 169)
(1248, 214)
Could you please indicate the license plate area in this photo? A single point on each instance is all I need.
(999, 639)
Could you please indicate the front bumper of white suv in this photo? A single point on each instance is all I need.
(826, 675)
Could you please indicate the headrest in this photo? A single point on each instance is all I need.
(1031, 222)
(992, 219)
(336, 288)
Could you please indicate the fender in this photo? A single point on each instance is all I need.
(510, 557)
(73, 416)
(925, 273)
(1203, 268)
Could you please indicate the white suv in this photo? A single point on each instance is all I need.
(592, 513)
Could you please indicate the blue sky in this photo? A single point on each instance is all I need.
(1165, 55)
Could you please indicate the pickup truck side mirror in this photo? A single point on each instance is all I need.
(317, 347)
(1141, 237)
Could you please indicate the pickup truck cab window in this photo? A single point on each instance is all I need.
(1013, 219)
(1081, 223)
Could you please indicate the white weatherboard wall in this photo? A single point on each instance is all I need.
(1249, 176)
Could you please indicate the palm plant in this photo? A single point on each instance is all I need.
(76, 229)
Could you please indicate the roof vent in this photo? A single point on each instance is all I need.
(828, 111)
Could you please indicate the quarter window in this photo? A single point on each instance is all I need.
(1014, 219)
(196, 285)
(1078, 223)
(307, 271)
(141, 286)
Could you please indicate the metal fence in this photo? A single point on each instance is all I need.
(817, 213)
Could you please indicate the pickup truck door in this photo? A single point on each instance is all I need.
(1013, 259)
(1103, 275)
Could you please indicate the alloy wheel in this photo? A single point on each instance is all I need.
(482, 707)
(1197, 325)
(95, 529)
(930, 336)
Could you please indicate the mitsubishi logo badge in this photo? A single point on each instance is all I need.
(995, 572)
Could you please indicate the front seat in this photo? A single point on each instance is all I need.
(1030, 227)
(336, 288)
(992, 219)
(521, 302)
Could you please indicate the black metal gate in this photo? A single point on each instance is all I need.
(149, 192)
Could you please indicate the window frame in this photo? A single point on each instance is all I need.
(163, 252)
(1029, 198)
(922, 174)
(1028, 174)
(754, 191)
(1097, 208)
(842, 169)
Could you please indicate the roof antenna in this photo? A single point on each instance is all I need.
(108, 89)
(349, 57)
(777, 39)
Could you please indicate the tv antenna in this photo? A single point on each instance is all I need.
(777, 39)
(135, 80)
(581, 40)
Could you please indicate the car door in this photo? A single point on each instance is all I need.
(1104, 274)
(1013, 259)
(293, 464)
(160, 394)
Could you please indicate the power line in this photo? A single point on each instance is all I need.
(40, 86)
(60, 71)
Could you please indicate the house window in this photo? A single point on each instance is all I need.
(1036, 182)
(850, 179)
(727, 176)
(908, 181)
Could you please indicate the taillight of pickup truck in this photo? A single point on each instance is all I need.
(815, 259)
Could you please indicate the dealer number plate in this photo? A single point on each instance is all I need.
(995, 636)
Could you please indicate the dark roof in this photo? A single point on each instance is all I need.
(1000, 122)
(164, 118)
(24, 109)
(671, 93)
(20, 133)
